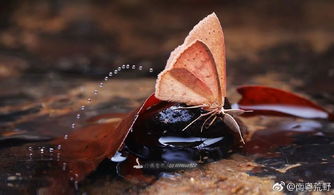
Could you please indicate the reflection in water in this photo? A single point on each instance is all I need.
(175, 141)
(301, 126)
(303, 112)
(118, 157)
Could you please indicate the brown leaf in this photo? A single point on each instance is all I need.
(271, 101)
(86, 147)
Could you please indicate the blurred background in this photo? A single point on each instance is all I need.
(54, 55)
(49, 47)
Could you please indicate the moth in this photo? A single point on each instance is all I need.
(195, 74)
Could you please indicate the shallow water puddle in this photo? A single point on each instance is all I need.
(281, 148)
(294, 150)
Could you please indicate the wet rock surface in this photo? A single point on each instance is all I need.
(54, 55)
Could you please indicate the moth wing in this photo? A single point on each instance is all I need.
(210, 32)
(192, 79)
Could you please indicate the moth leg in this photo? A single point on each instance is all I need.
(230, 122)
(190, 107)
(200, 116)
(207, 119)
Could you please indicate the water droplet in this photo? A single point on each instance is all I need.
(119, 68)
(115, 71)
(11, 178)
(82, 108)
(151, 70)
(123, 66)
(106, 78)
(64, 166)
(96, 92)
(66, 136)
(140, 67)
(127, 66)
(76, 186)
(42, 150)
(110, 74)
(89, 100)
(133, 67)
(59, 147)
(118, 157)
(101, 85)
(73, 125)
(78, 116)
(51, 150)
(30, 148)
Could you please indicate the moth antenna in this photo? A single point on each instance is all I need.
(190, 107)
(236, 112)
(232, 123)
(200, 116)
(206, 120)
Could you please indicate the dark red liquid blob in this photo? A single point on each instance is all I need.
(157, 136)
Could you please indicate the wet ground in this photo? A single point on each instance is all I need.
(54, 54)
